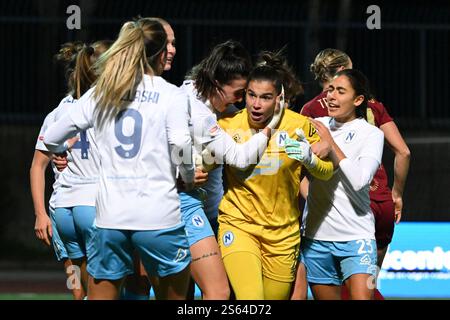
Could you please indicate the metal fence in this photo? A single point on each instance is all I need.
(407, 60)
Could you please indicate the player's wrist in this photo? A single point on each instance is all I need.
(40, 214)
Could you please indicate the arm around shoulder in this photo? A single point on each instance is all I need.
(179, 138)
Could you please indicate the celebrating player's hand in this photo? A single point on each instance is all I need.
(299, 149)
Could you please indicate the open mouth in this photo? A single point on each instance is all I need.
(257, 116)
(332, 106)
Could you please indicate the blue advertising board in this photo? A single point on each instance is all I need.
(417, 264)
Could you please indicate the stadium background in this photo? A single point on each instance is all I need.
(407, 61)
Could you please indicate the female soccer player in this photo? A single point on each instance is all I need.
(137, 285)
(141, 124)
(171, 46)
(68, 235)
(386, 204)
(259, 232)
(339, 227)
(215, 83)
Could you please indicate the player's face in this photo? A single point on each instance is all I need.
(230, 93)
(171, 49)
(260, 102)
(342, 101)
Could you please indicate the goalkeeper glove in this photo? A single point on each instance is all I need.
(300, 150)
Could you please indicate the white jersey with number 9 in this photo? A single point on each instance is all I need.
(139, 151)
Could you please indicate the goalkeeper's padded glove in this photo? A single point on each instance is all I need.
(300, 150)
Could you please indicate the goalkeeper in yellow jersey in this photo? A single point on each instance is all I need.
(259, 234)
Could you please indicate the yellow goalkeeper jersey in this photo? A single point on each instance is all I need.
(267, 193)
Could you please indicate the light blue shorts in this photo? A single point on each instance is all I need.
(332, 262)
(163, 252)
(194, 217)
(58, 245)
(76, 227)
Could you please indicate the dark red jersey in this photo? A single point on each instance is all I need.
(376, 115)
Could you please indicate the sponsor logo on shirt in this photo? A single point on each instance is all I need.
(41, 138)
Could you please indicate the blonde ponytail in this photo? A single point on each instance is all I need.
(122, 67)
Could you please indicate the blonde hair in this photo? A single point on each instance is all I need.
(122, 67)
(327, 63)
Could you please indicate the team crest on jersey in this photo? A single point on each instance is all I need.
(41, 138)
(365, 260)
(350, 135)
(228, 238)
(281, 138)
(197, 221)
(181, 255)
